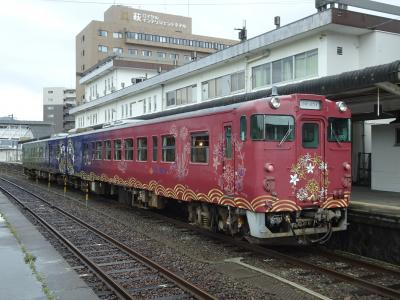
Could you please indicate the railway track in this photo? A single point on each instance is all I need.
(377, 279)
(374, 278)
(127, 273)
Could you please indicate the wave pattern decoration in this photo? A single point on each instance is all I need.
(264, 203)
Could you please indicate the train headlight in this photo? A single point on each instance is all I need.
(341, 106)
(275, 102)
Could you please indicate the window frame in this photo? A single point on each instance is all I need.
(166, 148)
(154, 153)
(318, 133)
(99, 150)
(138, 149)
(115, 149)
(132, 149)
(264, 138)
(106, 149)
(328, 132)
(243, 138)
(199, 133)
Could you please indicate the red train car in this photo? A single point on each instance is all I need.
(272, 168)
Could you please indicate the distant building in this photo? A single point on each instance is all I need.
(57, 101)
(153, 43)
(13, 132)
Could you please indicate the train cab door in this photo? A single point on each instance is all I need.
(311, 162)
(228, 161)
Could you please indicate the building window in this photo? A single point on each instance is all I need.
(128, 149)
(117, 50)
(50, 116)
(282, 70)
(155, 148)
(133, 51)
(117, 150)
(117, 35)
(102, 48)
(199, 147)
(49, 92)
(142, 149)
(108, 150)
(261, 75)
(50, 107)
(98, 150)
(182, 96)
(168, 148)
(243, 128)
(223, 86)
(146, 52)
(162, 54)
(306, 64)
(171, 98)
(237, 81)
(102, 32)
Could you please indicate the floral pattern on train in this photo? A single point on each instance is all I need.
(309, 178)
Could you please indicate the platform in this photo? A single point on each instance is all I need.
(376, 202)
(17, 279)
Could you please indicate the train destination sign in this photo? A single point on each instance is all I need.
(310, 104)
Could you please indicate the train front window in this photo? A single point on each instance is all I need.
(272, 128)
(310, 135)
(339, 130)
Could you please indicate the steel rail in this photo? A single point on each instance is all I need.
(114, 286)
(179, 281)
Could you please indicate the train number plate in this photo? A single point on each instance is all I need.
(310, 104)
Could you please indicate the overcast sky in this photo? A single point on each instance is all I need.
(38, 37)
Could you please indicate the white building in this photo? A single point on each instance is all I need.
(327, 43)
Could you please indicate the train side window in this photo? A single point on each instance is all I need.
(128, 149)
(155, 148)
(93, 150)
(142, 149)
(228, 142)
(257, 127)
(310, 135)
(86, 152)
(243, 128)
(98, 150)
(108, 150)
(168, 148)
(199, 147)
(117, 150)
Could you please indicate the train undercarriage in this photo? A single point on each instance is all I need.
(301, 227)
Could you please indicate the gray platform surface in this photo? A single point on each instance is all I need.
(365, 199)
(17, 280)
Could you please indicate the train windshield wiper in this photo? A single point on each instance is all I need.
(334, 135)
(286, 134)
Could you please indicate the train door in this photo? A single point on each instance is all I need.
(311, 185)
(228, 161)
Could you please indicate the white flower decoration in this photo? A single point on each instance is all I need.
(310, 169)
(294, 179)
(323, 166)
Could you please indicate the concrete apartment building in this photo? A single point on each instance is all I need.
(152, 42)
(57, 101)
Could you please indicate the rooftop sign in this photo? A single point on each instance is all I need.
(153, 19)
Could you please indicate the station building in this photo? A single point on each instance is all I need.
(149, 42)
(337, 52)
(14, 132)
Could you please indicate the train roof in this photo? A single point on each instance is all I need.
(203, 112)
